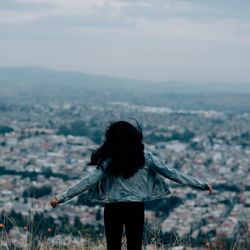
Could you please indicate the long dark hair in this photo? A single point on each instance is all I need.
(123, 145)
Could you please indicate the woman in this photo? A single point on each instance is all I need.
(126, 175)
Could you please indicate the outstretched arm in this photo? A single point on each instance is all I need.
(78, 188)
(160, 167)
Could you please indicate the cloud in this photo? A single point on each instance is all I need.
(116, 10)
(152, 39)
(30, 10)
(21, 6)
(226, 30)
(162, 19)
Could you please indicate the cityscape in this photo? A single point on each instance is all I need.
(177, 68)
(45, 146)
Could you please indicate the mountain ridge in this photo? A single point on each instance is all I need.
(42, 75)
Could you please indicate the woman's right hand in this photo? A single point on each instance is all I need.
(54, 202)
(210, 189)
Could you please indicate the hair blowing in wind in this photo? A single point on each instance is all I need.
(123, 145)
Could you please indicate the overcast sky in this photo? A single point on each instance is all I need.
(193, 40)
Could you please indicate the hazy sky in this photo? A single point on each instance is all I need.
(198, 40)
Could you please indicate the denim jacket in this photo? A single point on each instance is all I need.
(148, 183)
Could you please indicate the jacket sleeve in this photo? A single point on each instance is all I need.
(161, 168)
(81, 186)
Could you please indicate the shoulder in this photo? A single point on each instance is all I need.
(152, 158)
(103, 164)
(149, 157)
(147, 154)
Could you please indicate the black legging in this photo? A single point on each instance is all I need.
(130, 214)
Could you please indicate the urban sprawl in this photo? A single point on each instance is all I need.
(45, 147)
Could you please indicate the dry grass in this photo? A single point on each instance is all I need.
(14, 241)
(22, 239)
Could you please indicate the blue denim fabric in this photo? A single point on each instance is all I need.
(148, 183)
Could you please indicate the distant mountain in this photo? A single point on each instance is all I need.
(41, 77)
(28, 85)
(44, 76)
